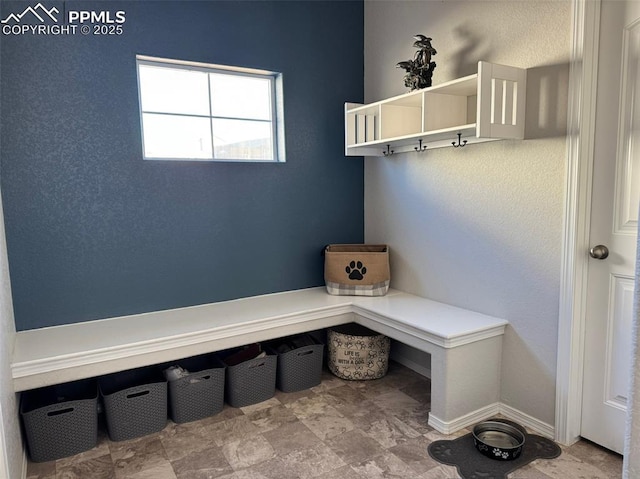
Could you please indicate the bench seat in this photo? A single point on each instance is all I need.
(465, 346)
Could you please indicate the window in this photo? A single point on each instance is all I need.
(196, 111)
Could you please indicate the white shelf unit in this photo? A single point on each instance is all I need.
(488, 105)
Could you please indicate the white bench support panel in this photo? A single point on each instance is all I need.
(465, 346)
(465, 349)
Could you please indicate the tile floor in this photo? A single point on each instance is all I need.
(339, 429)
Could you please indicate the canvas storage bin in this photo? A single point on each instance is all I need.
(357, 353)
(60, 421)
(200, 393)
(299, 362)
(357, 269)
(135, 402)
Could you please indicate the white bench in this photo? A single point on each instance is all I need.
(465, 347)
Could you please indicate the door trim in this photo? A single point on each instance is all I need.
(577, 214)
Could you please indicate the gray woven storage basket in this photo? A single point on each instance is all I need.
(252, 381)
(201, 393)
(135, 402)
(300, 368)
(61, 420)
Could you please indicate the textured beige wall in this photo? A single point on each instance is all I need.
(480, 227)
(11, 454)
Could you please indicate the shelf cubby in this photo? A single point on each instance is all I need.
(488, 105)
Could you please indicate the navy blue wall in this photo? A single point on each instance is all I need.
(94, 231)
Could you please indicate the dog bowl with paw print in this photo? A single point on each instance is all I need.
(498, 440)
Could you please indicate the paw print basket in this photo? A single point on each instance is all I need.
(357, 353)
(357, 269)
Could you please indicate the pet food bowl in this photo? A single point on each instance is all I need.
(498, 440)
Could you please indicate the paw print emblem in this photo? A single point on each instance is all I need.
(500, 453)
(356, 270)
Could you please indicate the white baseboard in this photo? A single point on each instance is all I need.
(449, 427)
(25, 463)
(530, 422)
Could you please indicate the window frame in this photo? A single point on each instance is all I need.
(276, 106)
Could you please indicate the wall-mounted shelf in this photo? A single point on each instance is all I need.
(488, 105)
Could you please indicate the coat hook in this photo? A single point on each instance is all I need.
(420, 147)
(459, 145)
(389, 152)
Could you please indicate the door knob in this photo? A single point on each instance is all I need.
(599, 252)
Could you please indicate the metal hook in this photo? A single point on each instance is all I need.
(389, 152)
(420, 148)
(459, 145)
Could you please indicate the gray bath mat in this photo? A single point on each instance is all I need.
(472, 464)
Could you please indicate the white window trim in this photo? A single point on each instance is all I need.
(277, 106)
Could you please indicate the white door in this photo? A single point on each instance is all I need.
(614, 224)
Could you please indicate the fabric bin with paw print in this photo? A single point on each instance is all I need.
(357, 269)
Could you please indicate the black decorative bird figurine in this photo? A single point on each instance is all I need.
(420, 69)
